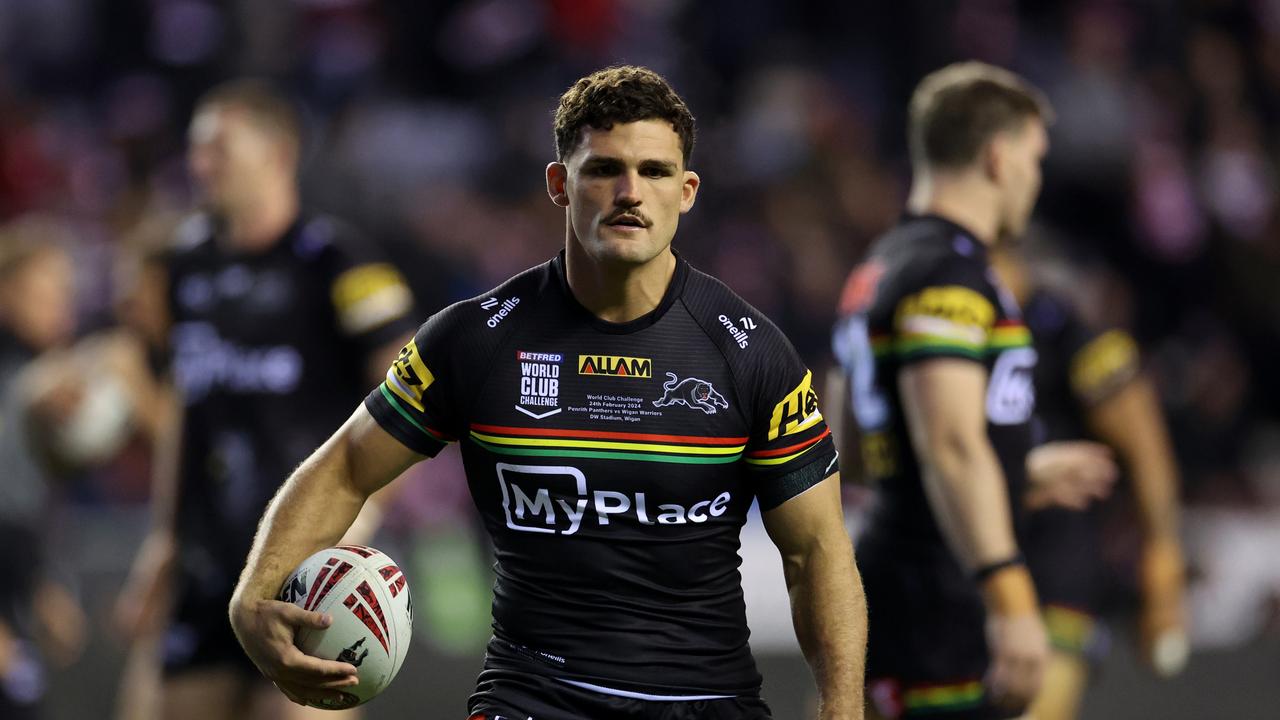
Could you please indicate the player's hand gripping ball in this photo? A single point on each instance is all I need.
(368, 597)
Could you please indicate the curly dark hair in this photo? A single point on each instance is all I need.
(620, 94)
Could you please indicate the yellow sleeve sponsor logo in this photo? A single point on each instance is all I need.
(949, 312)
(1107, 361)
(368, 296)
(409, 377)
(798, 410)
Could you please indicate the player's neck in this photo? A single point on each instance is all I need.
(960, 199)
(260, 224)
(618, 292)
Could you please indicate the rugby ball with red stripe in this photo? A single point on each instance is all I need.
(368, 597)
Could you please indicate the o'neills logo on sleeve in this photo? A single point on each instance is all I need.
(615, 365)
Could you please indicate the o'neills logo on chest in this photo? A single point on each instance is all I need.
(615, 365)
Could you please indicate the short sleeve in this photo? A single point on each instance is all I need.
(371, 300)
(414, 403)
(790, 447)
(951, 314)
(1101, 364)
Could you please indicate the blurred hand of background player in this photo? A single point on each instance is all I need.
(1163, 621)
(1069, 474)
(1016, 639)
(266, 629)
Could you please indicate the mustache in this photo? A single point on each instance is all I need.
(627, 213)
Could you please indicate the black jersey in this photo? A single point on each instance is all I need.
(1079, 365)
(613, 465)
(270, 353)
(926, 291)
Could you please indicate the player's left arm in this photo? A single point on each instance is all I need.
(827, 603)
(372, 306)
(1131, 421)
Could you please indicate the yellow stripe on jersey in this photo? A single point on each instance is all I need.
(1102, 365)
(368, 296)
(608, 445)
(409, 377)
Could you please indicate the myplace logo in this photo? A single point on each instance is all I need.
(555, 500)
(504, 308)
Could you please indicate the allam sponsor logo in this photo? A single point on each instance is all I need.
(615, 365)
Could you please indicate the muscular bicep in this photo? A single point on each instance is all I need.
(373, 456)
(808, 519)
(944, 403)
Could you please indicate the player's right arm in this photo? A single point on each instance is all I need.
(312, 510)
(943, 400)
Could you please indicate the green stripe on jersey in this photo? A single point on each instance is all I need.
(608, 455)
(391, 398)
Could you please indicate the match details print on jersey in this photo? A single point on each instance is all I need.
(614, 465)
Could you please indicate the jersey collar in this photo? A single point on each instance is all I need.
(674, 289)
(964, 241)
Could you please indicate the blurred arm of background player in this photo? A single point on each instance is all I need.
(943, 402)
(143, 602)
(1130, 420)
(315, 506)
(828, 608)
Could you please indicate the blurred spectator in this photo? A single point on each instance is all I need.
(39, 618)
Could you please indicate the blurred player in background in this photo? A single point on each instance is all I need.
(40, 621)
(280, 320)
(940, 377)
(615, 433)
(1089, 384)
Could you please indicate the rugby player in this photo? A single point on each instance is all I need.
(619, 412)
(280, 319)
(939, 367)
(1089, 384)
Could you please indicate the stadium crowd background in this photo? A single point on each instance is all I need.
(428, 125)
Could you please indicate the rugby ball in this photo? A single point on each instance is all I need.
(368, 597)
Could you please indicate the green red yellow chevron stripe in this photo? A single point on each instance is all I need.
(1070, 630)
(609, 445)
(395, 403)
(944, 697)
(779, 456)
(1006, 335)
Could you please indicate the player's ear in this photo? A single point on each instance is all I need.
(992, 159)
(557, 182)
(689, 192)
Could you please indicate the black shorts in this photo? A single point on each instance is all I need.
(926, 636)
(199, 636)
(1064, 553)
(513, 695)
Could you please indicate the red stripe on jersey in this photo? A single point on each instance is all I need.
(607, 435)
(791, 449)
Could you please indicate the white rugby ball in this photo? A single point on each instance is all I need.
(368, 597)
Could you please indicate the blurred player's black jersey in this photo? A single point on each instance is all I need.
(270, 355)
(1079, 367)
(613, 465)
(926, 292)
